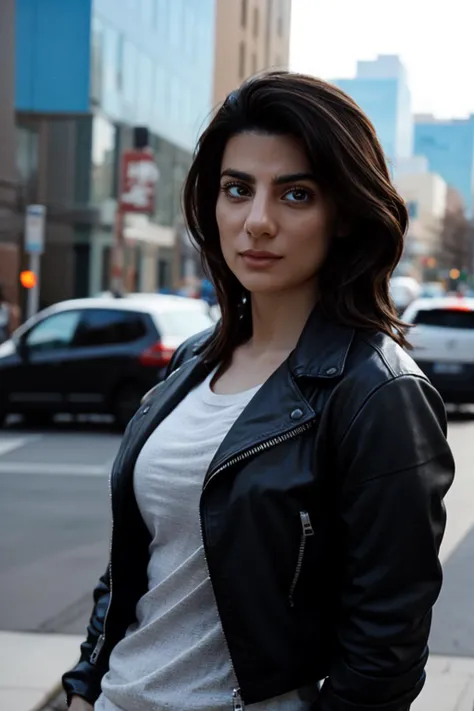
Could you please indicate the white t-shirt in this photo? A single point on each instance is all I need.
(175, 656)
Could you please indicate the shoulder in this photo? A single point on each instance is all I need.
(376, 359)
(382, 381)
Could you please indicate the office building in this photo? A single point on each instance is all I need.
(100, 68)
(250, 35)
(10, 217)
(449, 147)
(381, 89)
(426, 197)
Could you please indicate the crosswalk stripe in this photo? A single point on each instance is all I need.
(65, 469)
(9, 444)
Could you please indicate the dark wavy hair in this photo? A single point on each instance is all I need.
(348, 162)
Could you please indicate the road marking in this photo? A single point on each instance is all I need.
(65, 469)
(9, 444)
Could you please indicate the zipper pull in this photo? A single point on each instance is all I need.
(237, 703)
(306, 524)
(97, 649)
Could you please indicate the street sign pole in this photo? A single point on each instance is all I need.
(34, 246)
(32, 303)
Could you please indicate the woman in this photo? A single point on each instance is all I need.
(278, 500)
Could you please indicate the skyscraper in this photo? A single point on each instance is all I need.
(381, 89)
(449, 147)
(250, 35)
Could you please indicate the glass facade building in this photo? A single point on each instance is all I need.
(381, 90)
(449, 148)
(103, 67)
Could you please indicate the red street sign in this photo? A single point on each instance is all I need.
(138, 182)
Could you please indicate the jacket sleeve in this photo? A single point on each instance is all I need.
(396, 467)
(84, 679)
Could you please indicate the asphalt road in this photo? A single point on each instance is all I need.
(55, 519)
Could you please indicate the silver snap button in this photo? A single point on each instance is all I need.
(297, 414)
(145, 409)
(331, 371)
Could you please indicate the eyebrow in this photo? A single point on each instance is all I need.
(279, 180)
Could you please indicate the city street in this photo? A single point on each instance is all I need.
(54, 531)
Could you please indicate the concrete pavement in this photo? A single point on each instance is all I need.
(30, 667)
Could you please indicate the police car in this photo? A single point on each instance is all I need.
(442, 337)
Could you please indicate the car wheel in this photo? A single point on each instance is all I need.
(126, 403)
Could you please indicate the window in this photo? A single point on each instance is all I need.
(130, 69)
(103, 159)
(243, 13)
(256, 22)
(120, 63)
(162, 16)
(446, 318)
(97, 60)
(53, 333)
(106, 327)
(148, 12)
(145, 89)
(183, 323)
(242, 60)
(176, 24)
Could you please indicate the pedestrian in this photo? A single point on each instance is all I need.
(277, 502)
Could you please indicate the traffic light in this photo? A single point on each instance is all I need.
(28, 279)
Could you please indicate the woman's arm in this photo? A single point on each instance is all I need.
(396, 468)
(84, 679)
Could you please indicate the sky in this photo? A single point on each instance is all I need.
(435, 41)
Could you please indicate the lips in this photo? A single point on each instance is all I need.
(264, 256)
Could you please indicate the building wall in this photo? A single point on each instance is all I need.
(10, 218)
(449, 147)
(426, 195)
(381, 90)
(153, 64)
(250, 36)
(53, 55)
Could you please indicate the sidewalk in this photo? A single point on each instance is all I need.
(31, 666)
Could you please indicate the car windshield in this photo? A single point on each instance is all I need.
(445, 318)
(183, 323)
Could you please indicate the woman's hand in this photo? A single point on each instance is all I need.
(80, 704)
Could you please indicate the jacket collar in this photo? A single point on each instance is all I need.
(322, 349)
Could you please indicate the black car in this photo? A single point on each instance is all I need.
(97, 355)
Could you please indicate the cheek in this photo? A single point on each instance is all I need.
(313, 239)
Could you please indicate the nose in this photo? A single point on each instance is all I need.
(260, 220)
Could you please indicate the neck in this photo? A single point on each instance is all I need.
(278, 319)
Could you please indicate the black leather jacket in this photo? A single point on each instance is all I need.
(322, 515)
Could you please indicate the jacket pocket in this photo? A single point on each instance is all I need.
(306, 531)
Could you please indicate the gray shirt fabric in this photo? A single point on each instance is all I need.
(175, 656)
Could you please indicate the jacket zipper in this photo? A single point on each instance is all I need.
(237, 701)
(307, 530)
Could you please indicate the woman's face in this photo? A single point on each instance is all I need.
(274, 223)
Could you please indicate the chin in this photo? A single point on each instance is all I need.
(261, 284)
